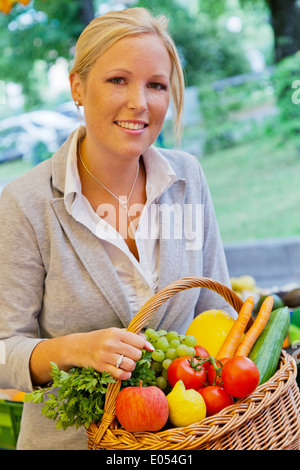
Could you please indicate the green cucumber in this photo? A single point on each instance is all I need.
(266, 351)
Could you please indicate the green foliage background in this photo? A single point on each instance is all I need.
(208, 51)
(30, 48)
(233, 138)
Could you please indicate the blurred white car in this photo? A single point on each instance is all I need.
(24, 135)
(67, 109)
(62, 124)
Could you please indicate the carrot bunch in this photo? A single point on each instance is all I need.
(239, 344)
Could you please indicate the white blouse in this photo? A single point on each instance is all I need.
(139, 278)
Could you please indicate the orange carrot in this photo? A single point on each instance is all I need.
(286, 342)
(234, 336)
(257, 327)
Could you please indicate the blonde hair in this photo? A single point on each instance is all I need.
(104, 31)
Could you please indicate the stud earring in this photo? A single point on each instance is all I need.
(79, 116)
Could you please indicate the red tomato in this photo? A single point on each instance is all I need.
(185, 368)
(211, 373)
(216, 398)
(202, 354)
(240, 376)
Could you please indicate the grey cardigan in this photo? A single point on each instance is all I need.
(56, 278)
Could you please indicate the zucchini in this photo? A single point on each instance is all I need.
(266, 351)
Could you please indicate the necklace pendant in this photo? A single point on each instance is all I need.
(123, 202)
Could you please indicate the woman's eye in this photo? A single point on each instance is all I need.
(158, 86)
(117, 80)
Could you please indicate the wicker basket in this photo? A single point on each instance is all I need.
(268, 419)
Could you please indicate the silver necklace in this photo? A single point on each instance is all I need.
(124, 203)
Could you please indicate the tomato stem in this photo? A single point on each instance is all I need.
(211, 359)
(218, 371)
(196, 364)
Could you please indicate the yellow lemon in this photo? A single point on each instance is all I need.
(210, 329)
(185, 406)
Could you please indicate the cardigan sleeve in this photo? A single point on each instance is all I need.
(21, 292)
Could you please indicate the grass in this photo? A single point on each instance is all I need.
(255, 190)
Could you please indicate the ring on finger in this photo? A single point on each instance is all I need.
(119, 361)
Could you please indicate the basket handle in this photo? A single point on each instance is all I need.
(143, 315)
(140, 320)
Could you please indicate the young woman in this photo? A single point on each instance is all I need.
(88, 236)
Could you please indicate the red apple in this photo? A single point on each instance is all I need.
(142, 408)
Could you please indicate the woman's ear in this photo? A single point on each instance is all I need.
(76, 89)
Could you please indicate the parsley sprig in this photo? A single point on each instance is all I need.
(76, 398)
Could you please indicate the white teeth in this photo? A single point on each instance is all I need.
(130, 125)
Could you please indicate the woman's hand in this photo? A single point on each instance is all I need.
(113, 350)
(102, 349)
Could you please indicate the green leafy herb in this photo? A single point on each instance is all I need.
(77, 398)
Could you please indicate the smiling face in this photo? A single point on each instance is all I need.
(125, 97)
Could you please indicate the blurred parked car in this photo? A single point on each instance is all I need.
(67, 109)
(34, 135)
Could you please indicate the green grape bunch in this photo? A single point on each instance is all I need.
(168, 346)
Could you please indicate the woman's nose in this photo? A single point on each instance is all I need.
(137, 99)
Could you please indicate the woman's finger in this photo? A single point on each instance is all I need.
(130, 351)
(148, 346)
(138, 340)
(123, 362)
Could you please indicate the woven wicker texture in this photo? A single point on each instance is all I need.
(265, 420)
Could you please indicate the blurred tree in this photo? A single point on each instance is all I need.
(6, 5)
(285, 22)
(35, 36)
(32, 38)
(208, 51)
(284, 19)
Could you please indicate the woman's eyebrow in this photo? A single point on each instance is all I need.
(120, 71)
(156, 76)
